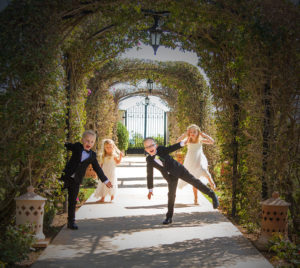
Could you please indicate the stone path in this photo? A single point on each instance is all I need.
(129, 233)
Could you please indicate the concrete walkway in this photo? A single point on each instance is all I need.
(129, 233)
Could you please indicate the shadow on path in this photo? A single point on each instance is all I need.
(194, 240)
(161, 206)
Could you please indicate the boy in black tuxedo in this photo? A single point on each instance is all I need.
(75, 169)
(171, 170)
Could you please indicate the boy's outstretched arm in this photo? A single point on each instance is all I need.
(150, 179)
(101, 174)
(70, 146)
(175, 146)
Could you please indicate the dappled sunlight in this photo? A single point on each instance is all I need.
(134, 202)
(165, 236)
(119, 233)
(100, 243)
(128, 232)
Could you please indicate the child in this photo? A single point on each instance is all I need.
(110, 157)
(171, 170)
(195, 161)
(75, 169)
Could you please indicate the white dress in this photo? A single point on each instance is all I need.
(196, 163)
(109, 169)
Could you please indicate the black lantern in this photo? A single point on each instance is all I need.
(149, 85)
(155, 30)
(147, 101)
(155, 35)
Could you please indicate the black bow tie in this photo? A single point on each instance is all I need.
(87, 151)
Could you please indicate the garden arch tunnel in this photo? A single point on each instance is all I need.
(174, 82)
(247, 49)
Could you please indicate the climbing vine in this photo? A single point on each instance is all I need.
(248, 49)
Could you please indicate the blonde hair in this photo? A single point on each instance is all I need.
(103, 153)
(89, 132)
(197, 128)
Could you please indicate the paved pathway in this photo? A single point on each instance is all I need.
(129, 233)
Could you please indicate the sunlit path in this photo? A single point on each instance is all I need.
(129, 233)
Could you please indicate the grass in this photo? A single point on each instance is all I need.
(85, 193)
(208, 198)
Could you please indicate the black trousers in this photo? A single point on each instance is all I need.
(73, 190)
(172, 186)
(189, 178)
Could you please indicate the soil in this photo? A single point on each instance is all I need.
(58, 223)
(253, 237)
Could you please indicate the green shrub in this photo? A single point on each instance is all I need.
(89, 183)
(81, 196)
(15, 243)
(85, 193)
(50, 212)
(136, 141)
(285, 250)
(159, 139)
(123, 137)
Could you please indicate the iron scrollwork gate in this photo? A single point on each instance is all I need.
(145, 121)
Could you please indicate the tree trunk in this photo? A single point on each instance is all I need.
(68, 88)
(235, 148)
(266, 138)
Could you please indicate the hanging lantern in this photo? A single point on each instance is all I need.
(150, 85)
(147, 101)
(155, 30)
(155, 35)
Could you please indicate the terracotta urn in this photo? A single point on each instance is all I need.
(30, 209)
(274, 219)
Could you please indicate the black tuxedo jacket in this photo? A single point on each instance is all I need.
(74, 165)
(170, 166)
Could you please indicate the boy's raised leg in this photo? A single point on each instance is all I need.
(189, 178)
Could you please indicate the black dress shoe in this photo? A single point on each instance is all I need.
(72, 225)
(167, 221)
(215, 201)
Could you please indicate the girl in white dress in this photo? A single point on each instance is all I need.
(110, 157)
(195, 161)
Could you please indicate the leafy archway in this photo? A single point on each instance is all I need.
(248, 50)
(183, 88)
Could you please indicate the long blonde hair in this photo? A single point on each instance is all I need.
(197, 128)
(103, 153)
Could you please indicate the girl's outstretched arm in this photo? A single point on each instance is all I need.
(118, 160)
(206, 139)
(181, 137)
